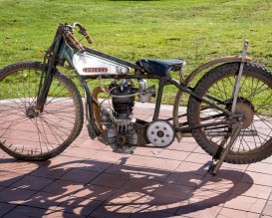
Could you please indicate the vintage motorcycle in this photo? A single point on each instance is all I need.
(41, 110)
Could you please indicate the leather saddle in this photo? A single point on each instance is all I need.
(160, 67)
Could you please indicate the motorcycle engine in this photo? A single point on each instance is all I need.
(120, 133)
(120, 126)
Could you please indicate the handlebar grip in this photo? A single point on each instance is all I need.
(88, 38)
(73, 40)
(84, 32)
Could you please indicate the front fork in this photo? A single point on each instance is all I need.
(47, 73)
(44, 87)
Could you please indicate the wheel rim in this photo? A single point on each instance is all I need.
(26, 132)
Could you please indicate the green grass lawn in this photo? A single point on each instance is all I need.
(197, 31)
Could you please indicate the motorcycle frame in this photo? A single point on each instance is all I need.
(63, 50)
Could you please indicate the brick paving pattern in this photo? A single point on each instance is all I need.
(89, 180)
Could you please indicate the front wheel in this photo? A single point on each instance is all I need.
(254, 142)
(26, 133)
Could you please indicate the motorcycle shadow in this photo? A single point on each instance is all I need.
(81, 188)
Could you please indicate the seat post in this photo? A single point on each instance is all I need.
(162, 82)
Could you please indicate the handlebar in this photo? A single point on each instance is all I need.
(83, 31)
(74, 41)
(69, 35)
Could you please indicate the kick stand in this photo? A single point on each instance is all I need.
(220, 156)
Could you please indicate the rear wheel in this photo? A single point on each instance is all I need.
(26, 133)
(254, 142)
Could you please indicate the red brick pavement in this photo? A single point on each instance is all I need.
(89, 180)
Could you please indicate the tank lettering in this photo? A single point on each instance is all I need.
(95, 70)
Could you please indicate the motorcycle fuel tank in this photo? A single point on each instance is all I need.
(91, 65)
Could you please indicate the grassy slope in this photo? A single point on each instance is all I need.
(197, 31)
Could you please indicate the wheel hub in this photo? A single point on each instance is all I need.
(247, 112)
(245, 107)
(31, 113)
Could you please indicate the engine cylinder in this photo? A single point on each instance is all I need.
(123, 100)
